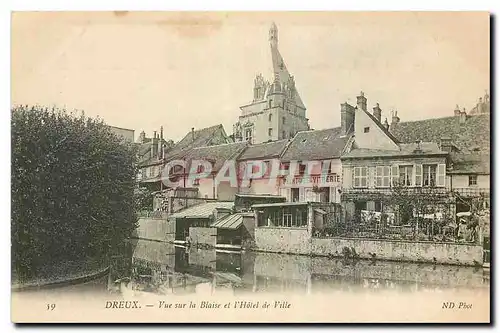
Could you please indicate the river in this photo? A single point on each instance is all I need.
(160, 268)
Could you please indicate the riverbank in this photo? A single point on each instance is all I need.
(62, 273)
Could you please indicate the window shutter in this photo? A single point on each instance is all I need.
(301, 194)
(394, 174)
(378, 176)
(441, 174)
(418, 174)
(347, 177)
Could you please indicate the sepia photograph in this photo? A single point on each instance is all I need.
(250, 167)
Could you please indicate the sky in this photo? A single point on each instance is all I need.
(143, 70)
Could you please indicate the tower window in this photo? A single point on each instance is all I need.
(366, 129)
(270, 132)
(270, 117)
(270, 101)
(284, 135)
(284, 120)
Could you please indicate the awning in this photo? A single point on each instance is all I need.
(232, 222)
(204, 210)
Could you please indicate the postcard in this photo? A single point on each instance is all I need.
(250, 167)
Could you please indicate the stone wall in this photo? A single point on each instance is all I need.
(441, 253)
(154, 229)
(283, 240)
(444, 275)
(203, 236)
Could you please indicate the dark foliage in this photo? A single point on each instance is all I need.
(72, 188)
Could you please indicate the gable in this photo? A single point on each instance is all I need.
(369, 134)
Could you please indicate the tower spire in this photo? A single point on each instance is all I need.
(273, 35)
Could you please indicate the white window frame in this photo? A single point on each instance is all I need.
(383, 176)
(408, 181)
(426, 171)
(358, 177)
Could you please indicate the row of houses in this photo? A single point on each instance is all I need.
(365, 156)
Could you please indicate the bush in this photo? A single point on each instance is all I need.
(72, 188)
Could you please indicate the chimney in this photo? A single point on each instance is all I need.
(457, 111)
(377, 112)
(192, 133)
(361, 101)
(160, 144)
(395, 120)
(142, 137)
(445, 144)
(386, 124)
(347, 113)
(463, 117)
(154, 135)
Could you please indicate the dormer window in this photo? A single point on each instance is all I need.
(366, 129)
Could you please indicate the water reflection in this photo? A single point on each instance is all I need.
(156, 268)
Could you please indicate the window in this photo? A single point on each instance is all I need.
(295, 194)
(270, 101)
(283, 119)
(270, 132)
(248, 135)
(302, 168)
(383, 176)
(284, 134)
(405, 175)
(472, 180)
(270, 117)
(287, 218)
(378, 206)
(366, 129)
(429, 175)
(361, 177)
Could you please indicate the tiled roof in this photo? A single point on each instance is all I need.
(232, 222)
(204, 210)
(406, 149)
(263, 151)
(217, 154)
(471, 137)
(470, 163)
(316, 145)
(197, 138)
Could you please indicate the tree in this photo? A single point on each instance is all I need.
(72, 187)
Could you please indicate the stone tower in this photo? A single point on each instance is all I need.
(276, 111)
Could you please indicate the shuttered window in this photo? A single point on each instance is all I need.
(360, 177)
(395, 175)
(383, 176)
(441, 175)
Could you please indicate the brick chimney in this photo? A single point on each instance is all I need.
(463, 116)
(445, 144)
(347, 113)
(377, 112)
(361, 101)
(457, 111)
(154, 145)
(395, 120)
